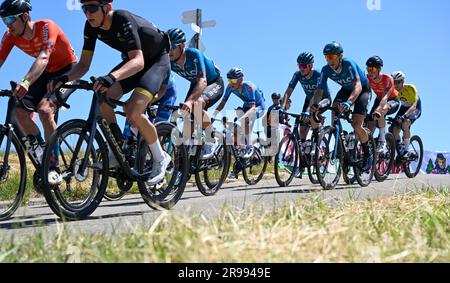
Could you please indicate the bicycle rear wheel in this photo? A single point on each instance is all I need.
(13, 174)
(214, 171)
(328, 159)
(365, 178)
(166, 194)
(79, 194)
(386, 159)
(415, 158)
(286, 161)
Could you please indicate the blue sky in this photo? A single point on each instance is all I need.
(265, 38)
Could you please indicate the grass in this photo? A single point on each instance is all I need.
(403, 228)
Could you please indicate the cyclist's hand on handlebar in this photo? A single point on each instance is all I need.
(345, 106)
(315, 107)
(57, 83)
(21, 89)
(102, 84)
(306, 117)
(187, 106)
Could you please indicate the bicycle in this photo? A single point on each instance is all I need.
(12, 153)
(84, 158)
(343, 151)
(253, 167)
(411, 162)
(291, 157)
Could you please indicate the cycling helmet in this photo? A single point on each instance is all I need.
(176, 36)
(333, 48)
(398, 76)
(235, 73)
(305, 58)
(375, 61)
(276, 95)
(14, 7)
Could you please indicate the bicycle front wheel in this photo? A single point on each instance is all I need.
(287, 161)
(386, 159)
(79, 194)
(13, 174)
(255, 167)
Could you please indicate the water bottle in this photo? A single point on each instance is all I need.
(351, 141)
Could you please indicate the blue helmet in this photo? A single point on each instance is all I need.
(333, 48)
(235, 73)
(305, 58)
(177, 36)
(14, 7)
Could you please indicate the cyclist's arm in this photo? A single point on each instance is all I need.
(317, 98)
(132, 67)
(357, 89)
(38, 67)
(198, 90)
(1, 63)
(250, 111)
(411, 109)
(82, 67)
(223, 102)
(6, 46)
(385, 98)
(287, 95)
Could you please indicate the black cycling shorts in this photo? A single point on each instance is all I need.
(212, 94)
(38, 90)
(414, 116)
(393, 106)
(149, 80)
(361, 104)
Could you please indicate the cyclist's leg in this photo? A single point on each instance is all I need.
(406, 126)
(372, 123)
(212, 94)
(359, 115)
(304, 129)
(169, 99)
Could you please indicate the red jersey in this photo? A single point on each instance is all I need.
(47, 36)
(383, 86)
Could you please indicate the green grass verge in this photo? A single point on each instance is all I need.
(402, 228)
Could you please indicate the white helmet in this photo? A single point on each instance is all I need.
(398, 76)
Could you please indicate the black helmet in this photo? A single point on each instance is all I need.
(276, 95)
(235, 73)
(14, 7)
(375, 61)
(333, 48)
(305, 58)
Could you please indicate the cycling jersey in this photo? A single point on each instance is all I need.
(350, 71)
(197, 66)
(309, 85)
(128, 32)
(382, 87)
(48, 36)
(408, 96)
(249, 94)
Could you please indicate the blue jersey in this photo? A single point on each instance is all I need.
(197, 66)
(309, 85)
(350, 71)
(249, 94)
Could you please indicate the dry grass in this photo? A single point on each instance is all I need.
(403, 228)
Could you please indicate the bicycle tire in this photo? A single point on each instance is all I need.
(288, 140)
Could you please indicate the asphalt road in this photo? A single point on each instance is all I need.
(125, 215)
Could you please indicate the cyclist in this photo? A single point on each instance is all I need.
(144, 67)
(386, 102)
(309, 79)
(355, 92)
(410, 111)
(45, 41)
(207, 85)
(282, 119)
(254, 104)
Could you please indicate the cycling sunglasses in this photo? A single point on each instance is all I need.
(91, 8)
(372, 69)
(10, 19)
(233, 81)
(303, 66)
(331, 56)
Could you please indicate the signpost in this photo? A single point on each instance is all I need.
(194, 17)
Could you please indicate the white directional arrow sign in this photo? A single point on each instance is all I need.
(196, 28)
